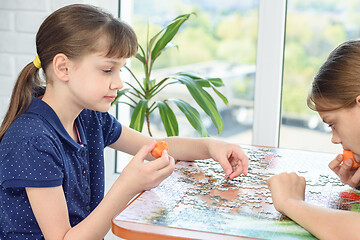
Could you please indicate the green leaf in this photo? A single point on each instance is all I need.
(138, 116)
(119, 93)
(152, 83)
(140, 57)
(170, 31)
(203, 83)
(168, 118)
(203, 98)
(192, 116)
(216, 82)
(223, 98)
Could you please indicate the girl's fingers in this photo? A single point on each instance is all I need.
(161, 162)
(242, 162)
(166, 171)
(355, 179)
(344, 170)
(144, 151)
(334, 164)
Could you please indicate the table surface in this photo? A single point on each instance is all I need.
(196, 202)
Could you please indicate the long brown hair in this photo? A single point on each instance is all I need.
(338, 79)
(73, 30)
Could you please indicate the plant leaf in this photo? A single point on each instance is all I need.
(138, 116)
(140, 57)
(192, 116)
(223, 98)
(119, 93)
(170, 31)
(168, 118)
(203, 98)
(216, 82)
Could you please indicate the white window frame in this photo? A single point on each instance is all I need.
(269, 73)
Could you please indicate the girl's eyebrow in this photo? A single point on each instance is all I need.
(115, 62)
(112, 61)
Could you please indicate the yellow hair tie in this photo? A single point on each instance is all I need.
(37, 62)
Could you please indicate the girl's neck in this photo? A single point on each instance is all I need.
(65, 112)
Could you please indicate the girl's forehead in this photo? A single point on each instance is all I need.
(326, 105)
(102, 55)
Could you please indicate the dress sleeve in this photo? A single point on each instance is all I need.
(111, 128)
(35, 162)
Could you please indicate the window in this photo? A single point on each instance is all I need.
(265, 91)
(313, 29)
(219, 41)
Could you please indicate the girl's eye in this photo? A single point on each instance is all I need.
(107, 71)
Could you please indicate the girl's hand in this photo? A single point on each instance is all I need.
(230, 156)
(141, 175)
(286, 187)
(346, 174)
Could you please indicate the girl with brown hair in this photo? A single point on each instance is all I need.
(335, 95)
(55, 131)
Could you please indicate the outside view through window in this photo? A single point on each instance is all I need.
(313, 29)
(220, 41)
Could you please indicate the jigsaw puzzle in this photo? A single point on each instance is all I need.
(198, 197)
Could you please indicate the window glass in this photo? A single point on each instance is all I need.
(313, 29)
(219, 41)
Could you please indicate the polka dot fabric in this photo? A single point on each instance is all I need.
(36, 151)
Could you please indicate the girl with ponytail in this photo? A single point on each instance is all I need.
(335, 96)
(57, 126)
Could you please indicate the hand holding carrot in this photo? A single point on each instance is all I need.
(141, 175)
(343, 167)
(159, 148)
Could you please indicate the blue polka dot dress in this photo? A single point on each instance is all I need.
(36, 151)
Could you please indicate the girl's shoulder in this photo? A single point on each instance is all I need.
(28, 125)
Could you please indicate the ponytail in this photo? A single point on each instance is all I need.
(24, 89)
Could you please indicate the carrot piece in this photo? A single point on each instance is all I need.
(159, 148)
(349, 154)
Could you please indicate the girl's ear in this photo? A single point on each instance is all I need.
(358, 100)
(60, 65)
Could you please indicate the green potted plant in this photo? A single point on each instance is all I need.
(142, 94)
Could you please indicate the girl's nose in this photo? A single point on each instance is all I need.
(335, 139)
(117, 83)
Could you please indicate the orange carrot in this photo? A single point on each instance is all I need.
(349, 154)
(159, 148)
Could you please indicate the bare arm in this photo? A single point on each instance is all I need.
(130, 141)
(230, 156)
(288, 192)
(324, 223)
(50, 209)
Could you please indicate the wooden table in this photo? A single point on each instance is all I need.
(196, 202)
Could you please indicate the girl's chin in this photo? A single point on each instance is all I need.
(101, 108)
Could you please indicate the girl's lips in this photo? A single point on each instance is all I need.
(110, 98)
